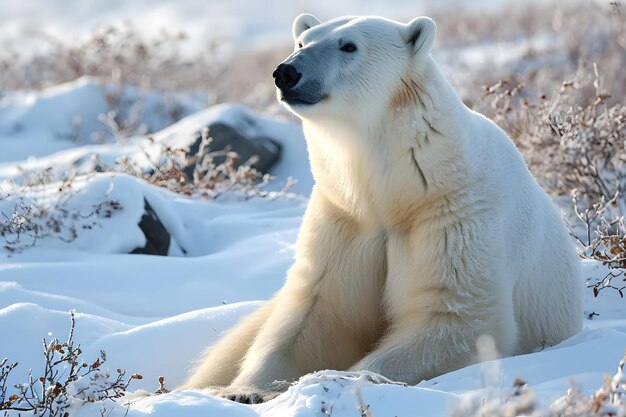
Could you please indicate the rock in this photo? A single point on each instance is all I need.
(157, 237)
(226, 136)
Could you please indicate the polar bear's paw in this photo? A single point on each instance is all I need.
(249, 395)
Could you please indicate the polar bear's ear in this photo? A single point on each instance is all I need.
(303, 22)
(420, 33)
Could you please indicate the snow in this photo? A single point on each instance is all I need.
(34, 126)
(156, 315)
(60, 117)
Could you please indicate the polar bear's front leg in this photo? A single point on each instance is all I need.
(222, 361)
(330, 309)
(416, 352)
(445, 288)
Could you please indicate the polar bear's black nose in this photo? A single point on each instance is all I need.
(286, 76)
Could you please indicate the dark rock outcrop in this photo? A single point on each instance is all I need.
(157, 237)
(228, 137)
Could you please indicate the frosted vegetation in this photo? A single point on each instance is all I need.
(93, 128)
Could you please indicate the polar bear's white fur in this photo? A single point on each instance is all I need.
(424, 230)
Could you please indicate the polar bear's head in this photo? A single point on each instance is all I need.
(350, 64)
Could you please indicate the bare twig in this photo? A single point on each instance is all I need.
(66, 380)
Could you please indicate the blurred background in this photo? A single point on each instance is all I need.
(241, 21)
(228, 48)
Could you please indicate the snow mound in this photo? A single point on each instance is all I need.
(219, 235)
(45, 141)
(56, 109)
(348, 394)
(36, 124)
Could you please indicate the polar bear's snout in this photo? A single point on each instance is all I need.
(296, 80)
(286, 77)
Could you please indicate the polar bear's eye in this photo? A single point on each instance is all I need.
(348, 47)
(299, 44)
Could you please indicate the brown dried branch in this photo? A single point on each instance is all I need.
(66, 380)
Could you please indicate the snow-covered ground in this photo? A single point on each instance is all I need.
(155, 315)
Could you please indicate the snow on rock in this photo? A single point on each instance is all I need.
(293, 160)
(236, 250)
(63, 157)
(84, 214)
(219, 234)
(92, 211)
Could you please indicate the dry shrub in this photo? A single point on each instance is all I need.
(122, 55)
(197, 174)
(470, 26)
(119, 54)
(575, 144)
(608, 401)
(67, 381)
(206, 174)
(559, 42)
(573, 137)
(33, 219)
(574, 140)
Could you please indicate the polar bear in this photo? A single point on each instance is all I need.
(424, 230)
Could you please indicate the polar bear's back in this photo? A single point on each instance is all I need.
(541, 259)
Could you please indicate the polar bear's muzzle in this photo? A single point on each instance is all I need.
(295, 89)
